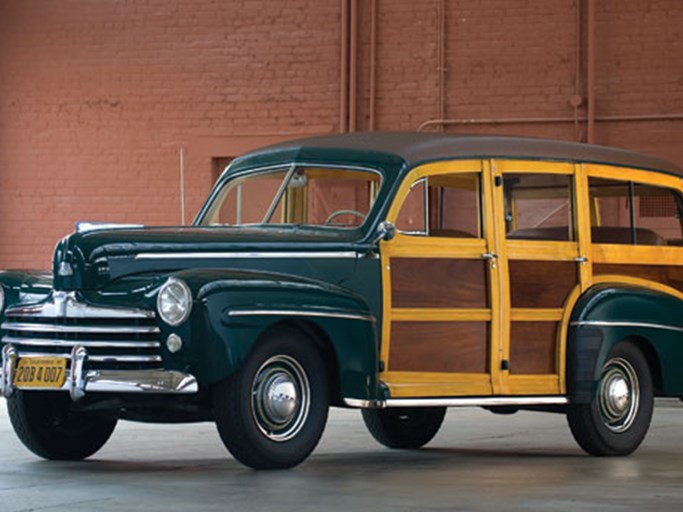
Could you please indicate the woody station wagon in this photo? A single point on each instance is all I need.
(397, 273)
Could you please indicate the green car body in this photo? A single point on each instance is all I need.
(249, 282)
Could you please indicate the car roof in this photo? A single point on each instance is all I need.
(419, 147)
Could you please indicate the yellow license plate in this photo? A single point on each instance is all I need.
(40, 372)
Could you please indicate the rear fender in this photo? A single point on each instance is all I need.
(609, 313)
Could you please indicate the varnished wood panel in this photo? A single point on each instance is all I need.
(541, 284)
(532, 347)
(665, 274)
(439, 347)
(438, 283)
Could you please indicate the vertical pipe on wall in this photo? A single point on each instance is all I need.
(344, 66)
(590, 70)
(373, 64)
(353, 65)
(576, 99)
(442, 63)
(182, 185)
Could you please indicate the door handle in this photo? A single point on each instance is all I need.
(491, 256)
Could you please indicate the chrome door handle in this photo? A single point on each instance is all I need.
(491, 256)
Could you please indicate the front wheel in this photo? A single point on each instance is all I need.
(404, 427)
(50, 425)
(616, 420)
(271, 414)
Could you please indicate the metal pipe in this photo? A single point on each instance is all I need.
(373, 65)
(344, 65)
(182, 185)
(353, 65)
(590, 70)
(442, 60)
(548, 120)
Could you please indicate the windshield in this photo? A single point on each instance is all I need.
(295, 195)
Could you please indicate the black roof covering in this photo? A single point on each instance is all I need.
(420, 147)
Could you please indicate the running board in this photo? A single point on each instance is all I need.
(485, 401)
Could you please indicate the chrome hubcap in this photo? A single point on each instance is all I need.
(618, 395)
(280, 398)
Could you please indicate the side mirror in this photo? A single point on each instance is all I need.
(385, 231)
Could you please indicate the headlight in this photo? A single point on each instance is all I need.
(174, 302)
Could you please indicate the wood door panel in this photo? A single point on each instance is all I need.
(438, 283)
(665, 274)
(533, 347)
(460, 347)
(541, 284)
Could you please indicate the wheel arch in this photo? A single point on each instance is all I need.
(237, 312)
(609, 313)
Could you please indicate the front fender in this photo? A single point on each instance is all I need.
(607, 314)
(234, 309)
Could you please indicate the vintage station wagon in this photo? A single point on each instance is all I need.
(398, 273)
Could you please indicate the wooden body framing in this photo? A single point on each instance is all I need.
(490, 316)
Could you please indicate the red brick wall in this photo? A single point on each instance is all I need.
(96, 98)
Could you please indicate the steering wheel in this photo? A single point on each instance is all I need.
(333, 215)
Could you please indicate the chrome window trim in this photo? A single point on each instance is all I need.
(458, 402)
(243, 255)
(285, 166)
(286, 312)
(644, 325)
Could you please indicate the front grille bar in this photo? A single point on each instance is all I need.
(91, 329)
(40, 342)
(95, 358)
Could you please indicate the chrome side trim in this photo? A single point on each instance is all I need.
(65, 305)
(487, 401)
(243, 255)
(41, 342)
(29, 327)
(599, 323)
(287, 312)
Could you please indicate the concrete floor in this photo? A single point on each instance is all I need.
(479, 461)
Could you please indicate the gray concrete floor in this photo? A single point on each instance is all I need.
(479, 461)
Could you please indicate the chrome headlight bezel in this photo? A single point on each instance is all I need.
(174, 301)
(2, 299)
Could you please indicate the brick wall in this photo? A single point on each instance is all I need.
(97, 98)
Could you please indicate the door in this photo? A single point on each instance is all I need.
(543, 265)
(441, 301)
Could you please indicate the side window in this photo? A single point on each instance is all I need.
(624, 212)
(538, 207)
(443, 206)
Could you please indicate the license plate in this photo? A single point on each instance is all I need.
(40, 372)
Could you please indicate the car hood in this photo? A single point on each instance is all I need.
(92, 258)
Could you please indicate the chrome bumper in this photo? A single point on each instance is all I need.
(79, 382)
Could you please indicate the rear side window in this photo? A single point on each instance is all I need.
(624, 212)
(538, 207)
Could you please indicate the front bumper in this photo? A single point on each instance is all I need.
(79, 381)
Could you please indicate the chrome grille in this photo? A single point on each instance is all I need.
(115, 338)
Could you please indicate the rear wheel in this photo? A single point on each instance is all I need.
(49, 425)
(404, 427)
(272, 413)
(616, 420)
